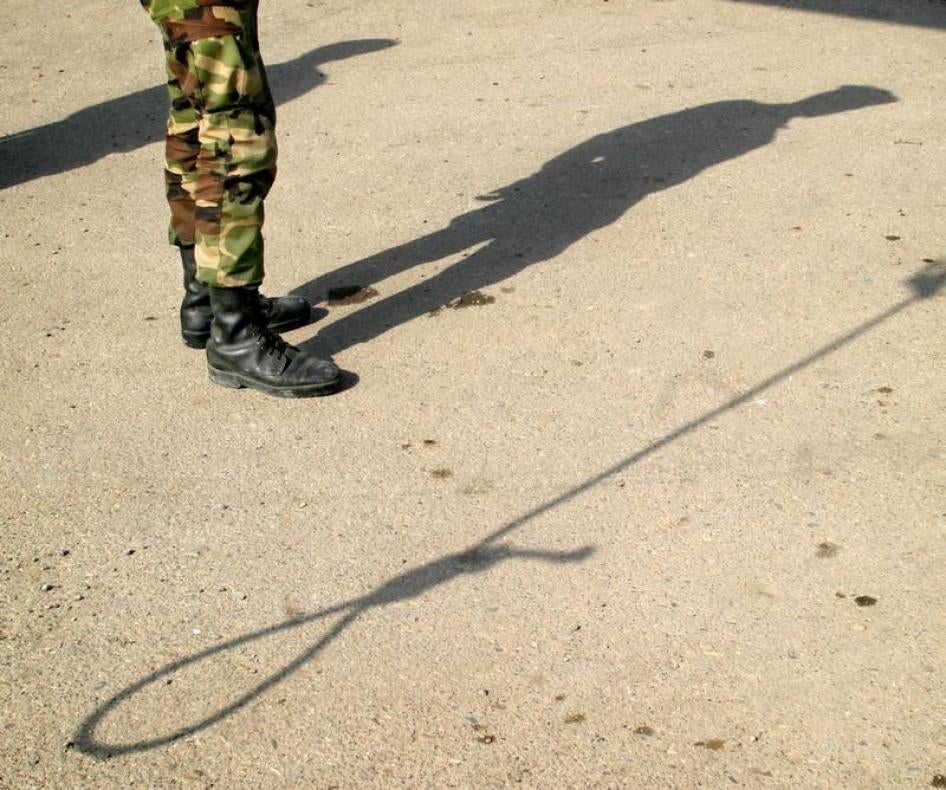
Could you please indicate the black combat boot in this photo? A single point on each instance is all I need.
(244, 352)
(195, 306)
(281, 314)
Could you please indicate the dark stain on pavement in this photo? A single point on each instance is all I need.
(426, 443)
(827, 549)
(714, 744)
(472, 299)
(351, 294)
(865, 600)
(469, 299)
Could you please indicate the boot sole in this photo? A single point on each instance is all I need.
(199, 339)
(236, 381)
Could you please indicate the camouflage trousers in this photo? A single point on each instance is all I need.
(220, 158)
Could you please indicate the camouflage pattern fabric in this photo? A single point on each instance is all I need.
(220, 157)
(162, 9)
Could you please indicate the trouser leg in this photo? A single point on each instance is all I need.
(181, 149)
(221, 149)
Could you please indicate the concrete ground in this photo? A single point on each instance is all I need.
(661, 504)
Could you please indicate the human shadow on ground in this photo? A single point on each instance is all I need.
(129, 122)
(584, 189)
(924, 285)
(917, 13)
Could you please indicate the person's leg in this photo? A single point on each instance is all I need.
(213, 61)
(181, 149)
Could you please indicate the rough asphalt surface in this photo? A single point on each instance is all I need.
(640, 476)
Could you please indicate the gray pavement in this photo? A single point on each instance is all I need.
(663, 506)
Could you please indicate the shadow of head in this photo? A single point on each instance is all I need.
(350, 49)
(340, 50)
(841, 99)
(298, 76)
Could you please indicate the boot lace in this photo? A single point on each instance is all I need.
(272, 343)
